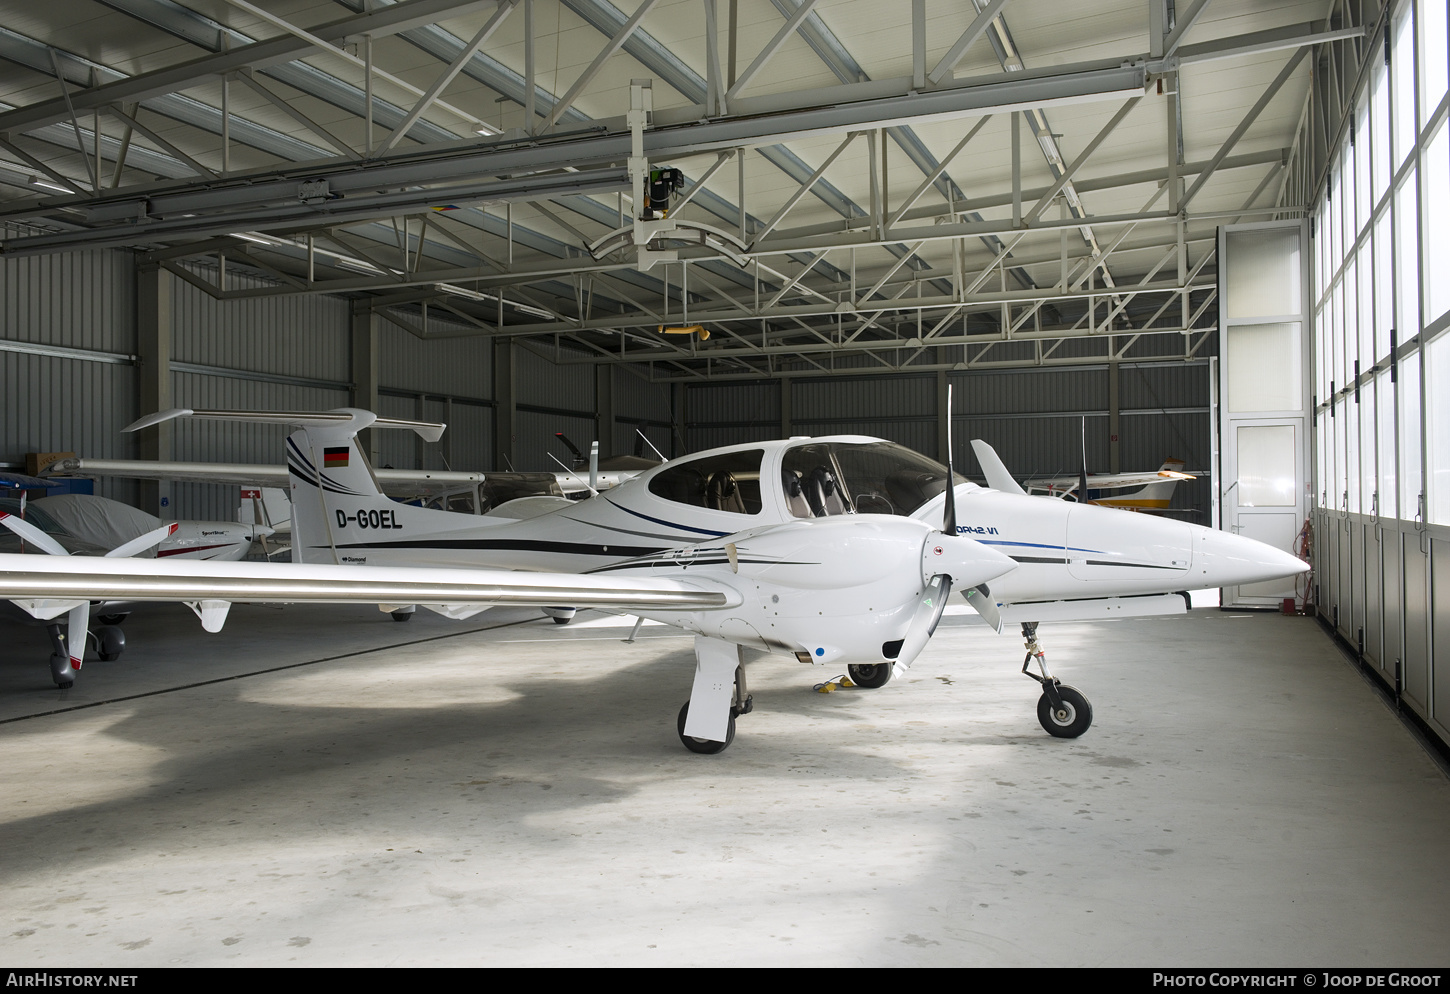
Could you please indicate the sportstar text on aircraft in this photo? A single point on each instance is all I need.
(838, 550)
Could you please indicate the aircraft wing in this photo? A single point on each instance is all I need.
(31, 580)
(96, 578)
(1102, 481)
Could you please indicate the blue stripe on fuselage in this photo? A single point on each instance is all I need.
(669, 524)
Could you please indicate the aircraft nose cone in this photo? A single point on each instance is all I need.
(966, 560)
(1222, 559)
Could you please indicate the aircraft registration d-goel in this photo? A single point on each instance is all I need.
(840, 551)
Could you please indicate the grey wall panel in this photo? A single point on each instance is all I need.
(1145, 440)
(1440, 634)
(917, 435)
(1416, 666)
(302, 336)
(710, 437)
(733, 403)
(565, 387)
(80, 300)
(1029, 390)
(638, 398)
(460, 367)
(229, 441)
(1162, 385)
(1390, 596)
(398, 449)
(468, 443)
(1373, 616)
(863, 398)
(51, 404)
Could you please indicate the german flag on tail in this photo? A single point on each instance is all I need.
(335, 457)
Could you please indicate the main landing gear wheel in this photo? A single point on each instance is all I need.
(1069, 717)
(402, 615)
(110, 642)
(870, 675)
(112, 619)
(707, 747)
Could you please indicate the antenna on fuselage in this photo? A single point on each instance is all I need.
(641, 434)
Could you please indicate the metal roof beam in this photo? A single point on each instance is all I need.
(387, 20)
(975, 30)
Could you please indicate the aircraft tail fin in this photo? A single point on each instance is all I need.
(326, 470)
(997, 476)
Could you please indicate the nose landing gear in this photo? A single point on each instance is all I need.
(1062, 710)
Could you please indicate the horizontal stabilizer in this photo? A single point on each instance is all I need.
(343, 417)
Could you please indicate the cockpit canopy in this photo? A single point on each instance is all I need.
(821, 479)
(816, 480)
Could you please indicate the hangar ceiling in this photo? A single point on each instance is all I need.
(927, 184)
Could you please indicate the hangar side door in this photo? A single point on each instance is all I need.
(1263, 392)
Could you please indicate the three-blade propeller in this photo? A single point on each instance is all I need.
(939, 585)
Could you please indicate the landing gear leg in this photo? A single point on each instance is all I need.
(706, 723)
(1062, 710)
(61, 670)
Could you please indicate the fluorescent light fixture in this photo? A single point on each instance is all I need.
(46, 185)
(459, 291)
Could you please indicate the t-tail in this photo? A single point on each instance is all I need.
(336, 501)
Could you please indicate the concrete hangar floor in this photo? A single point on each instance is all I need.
(321, 786)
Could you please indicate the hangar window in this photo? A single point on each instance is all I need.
(728, 482)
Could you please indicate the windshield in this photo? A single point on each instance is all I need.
(826, 478)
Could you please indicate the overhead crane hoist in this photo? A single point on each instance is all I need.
(652, 189)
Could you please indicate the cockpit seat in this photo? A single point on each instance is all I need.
(723, 494)
(823, 493)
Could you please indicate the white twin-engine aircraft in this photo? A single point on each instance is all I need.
(841, 551)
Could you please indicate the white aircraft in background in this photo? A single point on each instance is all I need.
(1153, 493)
(839, 551)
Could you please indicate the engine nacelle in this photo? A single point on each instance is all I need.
(836, 590)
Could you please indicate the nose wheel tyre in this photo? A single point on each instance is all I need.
(1068, 721)
(706, 746)
(870, 675)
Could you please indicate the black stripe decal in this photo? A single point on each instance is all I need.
(507, 544)
(682, 563)
(1091, 562)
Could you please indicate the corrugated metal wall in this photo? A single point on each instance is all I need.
(81, 307)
